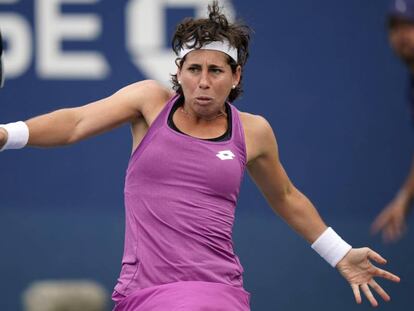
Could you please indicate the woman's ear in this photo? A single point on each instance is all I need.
(178, 72)
(237, 75)
(179, 76)
(178, 64)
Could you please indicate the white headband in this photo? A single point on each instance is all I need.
(222, 46)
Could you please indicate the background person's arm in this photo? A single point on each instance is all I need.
(392, 219)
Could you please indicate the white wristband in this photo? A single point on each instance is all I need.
(331, 247)
(18, 135)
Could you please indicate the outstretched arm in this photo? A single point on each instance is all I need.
(294, 207)
(391, 221)
(269, 175)
(68, 126)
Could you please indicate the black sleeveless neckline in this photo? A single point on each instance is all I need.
(180, 101)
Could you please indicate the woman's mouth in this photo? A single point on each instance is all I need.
(204, 99)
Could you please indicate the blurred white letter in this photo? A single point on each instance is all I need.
(52, 28)
(146, 33)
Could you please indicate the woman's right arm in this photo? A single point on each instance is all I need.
(68, 126)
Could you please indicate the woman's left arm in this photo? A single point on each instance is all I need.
(296, 209)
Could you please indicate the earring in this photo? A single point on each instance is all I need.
(179, 82)
(234, 86)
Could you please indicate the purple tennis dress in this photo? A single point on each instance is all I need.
(180, 200)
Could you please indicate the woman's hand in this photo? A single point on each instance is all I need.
(358, 270)
(3, 137)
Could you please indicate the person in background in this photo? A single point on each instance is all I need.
(391, 222)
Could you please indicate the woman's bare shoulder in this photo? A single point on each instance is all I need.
(144, 96)
(258, 134)
(254, 124)
(148, 90)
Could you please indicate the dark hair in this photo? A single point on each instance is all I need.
(214, 28)
(394, 20)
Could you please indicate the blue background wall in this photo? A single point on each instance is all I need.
(320, 71)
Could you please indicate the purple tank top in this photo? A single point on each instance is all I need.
(180, 199)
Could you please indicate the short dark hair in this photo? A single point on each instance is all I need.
(393, 21)
(214, 28)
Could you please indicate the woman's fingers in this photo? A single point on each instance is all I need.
(386, 275)
(376, 257)
(379, 290)
(357, 294)
(367, 292)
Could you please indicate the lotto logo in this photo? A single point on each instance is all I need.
(225, 155)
